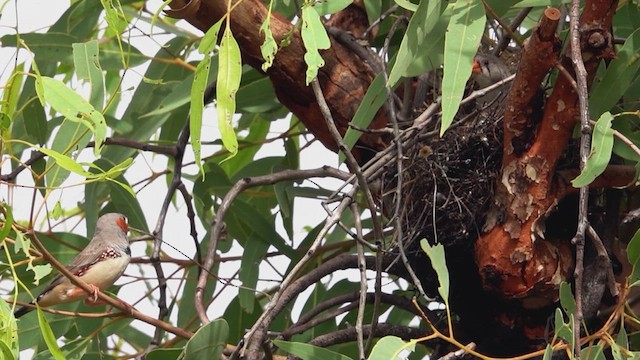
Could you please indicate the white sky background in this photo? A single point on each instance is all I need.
(38, 15)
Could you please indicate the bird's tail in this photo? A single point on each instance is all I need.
(23, 310)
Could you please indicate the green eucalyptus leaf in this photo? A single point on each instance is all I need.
(308, 351)
(460, 45)
(438, 262)
(197, 107)
(315, 38)
(418, 30)
(228, 82)
(208, 342)
(269, 47)
(371, 102)
(601, 149)
(327, 7)
(75, 108)
(87, 62)
(391, 348)
(48, 336)
(618, 77)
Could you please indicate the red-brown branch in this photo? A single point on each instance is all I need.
(344, 78)
(513, 257)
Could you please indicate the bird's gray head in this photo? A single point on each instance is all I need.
(488, 70)
(113, 225)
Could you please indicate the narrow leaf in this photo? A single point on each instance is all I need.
(601, 148)
(438, 262)
(566, 299)
(618, 78)
(197, 107)
(48, 336)
(460, 45)
(9, 348)
(419, 28)
(229, 75)
(371, 102)
(87, 62)
(210, 38)
(308, 351)
(315, 38)
(269, 47)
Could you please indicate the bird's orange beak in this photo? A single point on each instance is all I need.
(476, 67)
(122, 223)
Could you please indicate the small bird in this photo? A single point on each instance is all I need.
(99, 264)
(488, 70)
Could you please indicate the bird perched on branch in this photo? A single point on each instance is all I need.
(99, 264)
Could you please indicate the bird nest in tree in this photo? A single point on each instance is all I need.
(448, 181)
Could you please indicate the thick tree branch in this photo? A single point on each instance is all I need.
(344, 78)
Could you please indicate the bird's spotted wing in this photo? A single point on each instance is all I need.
(87, 257)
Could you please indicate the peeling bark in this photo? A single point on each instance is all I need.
(513, 256)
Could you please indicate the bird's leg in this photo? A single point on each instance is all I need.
(92, 300)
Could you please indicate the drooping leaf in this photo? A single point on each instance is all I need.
(239, 320)
(9, 348)
(252, 255)
(566, 298)
(593, 352)
(197, 107)
(48, 336)
(439, 263)
(315, 38)
(229, 74)
(87, 62)
(460, 45)
(210, 38)
(66, 162)
(620, 73)
(269, 47)
(419, 29)
(371, 102)
(601, 148)
(548, 352)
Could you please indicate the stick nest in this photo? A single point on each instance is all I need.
(448, 182)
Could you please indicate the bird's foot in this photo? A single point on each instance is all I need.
(92, 300)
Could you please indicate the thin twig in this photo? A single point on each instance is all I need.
(362, 266)
(513, 26)
(585, 148)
